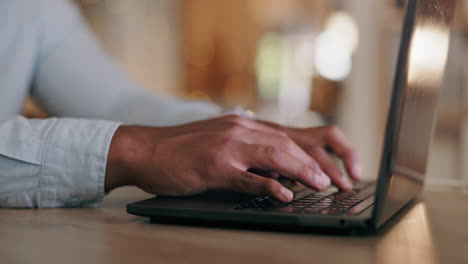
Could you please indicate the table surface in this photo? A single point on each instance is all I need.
(435, 230)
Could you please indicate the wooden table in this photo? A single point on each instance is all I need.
(433, 231)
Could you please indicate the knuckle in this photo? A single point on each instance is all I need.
(312, 150)
(336, 172)
(269, 150)
(245, 181)
(224, 141)
(348, 152)
(234, 129)
(272, 153)
(304, 171)
(235, 119)
(285, 142)
(281, 133)
(332, 130)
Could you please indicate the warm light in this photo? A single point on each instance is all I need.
(268, 65)
(284, 69)
(343, 26)
(410, 240)
(332, 61)
(303, 55)
(239, 90)
(335, 46)
(428, 52)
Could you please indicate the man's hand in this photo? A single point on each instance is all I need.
(317, 141)
(219, 153)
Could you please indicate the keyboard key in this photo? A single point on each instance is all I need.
(296, 205)
(321, 206)
(309, 201)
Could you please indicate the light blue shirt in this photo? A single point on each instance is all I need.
(46, 50)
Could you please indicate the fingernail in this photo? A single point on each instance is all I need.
(323, 180)
(286, 194)
(348, 184)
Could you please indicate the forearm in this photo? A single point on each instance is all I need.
(76, 78)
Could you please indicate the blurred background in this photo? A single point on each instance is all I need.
(297, 62)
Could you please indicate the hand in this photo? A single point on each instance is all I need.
(210, 154)
(317, 141)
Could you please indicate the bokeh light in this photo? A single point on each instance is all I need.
(335, 46)
(332, 61)
(343, 26)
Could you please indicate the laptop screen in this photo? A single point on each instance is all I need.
(418, 77)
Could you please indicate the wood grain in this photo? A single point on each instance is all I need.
(433, 231)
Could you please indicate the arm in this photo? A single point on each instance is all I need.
(59, 161)
(62, 162)
(133, 158)
(75, 78)
(69, 162)
(72, 162)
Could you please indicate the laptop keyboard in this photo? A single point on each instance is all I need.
(308, 201)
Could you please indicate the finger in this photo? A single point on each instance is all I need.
(244, 181)
(341, 146)
(332, 170)
(272, 158)
(283, 143)
(288, 146)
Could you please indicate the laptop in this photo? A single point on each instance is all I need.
(424, 45)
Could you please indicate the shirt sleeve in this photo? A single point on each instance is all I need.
(56, 162)
(75, 78)
(61, 162)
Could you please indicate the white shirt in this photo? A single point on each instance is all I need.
(46, 50)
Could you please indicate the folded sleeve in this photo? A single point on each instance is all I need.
(56, 162)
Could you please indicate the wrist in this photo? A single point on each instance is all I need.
(126, 151)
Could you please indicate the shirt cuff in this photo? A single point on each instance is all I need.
(74, 162)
